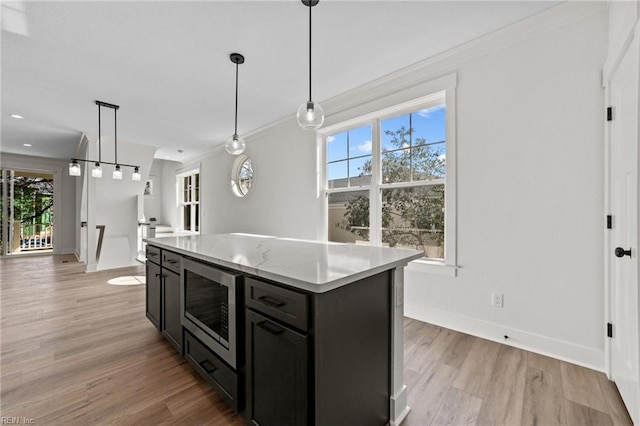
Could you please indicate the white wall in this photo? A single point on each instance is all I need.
(284, 199)
(530, 203)
(64, 196)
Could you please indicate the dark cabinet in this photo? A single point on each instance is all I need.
(319, 359)
(163, 294)
(277, 369)
(154, 293)
(171, 325)
(215, 371)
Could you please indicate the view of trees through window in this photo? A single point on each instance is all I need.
(29, 204)
(412, 158)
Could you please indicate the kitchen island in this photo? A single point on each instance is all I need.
(315, 330)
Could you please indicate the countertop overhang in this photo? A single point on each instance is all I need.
(309, 265)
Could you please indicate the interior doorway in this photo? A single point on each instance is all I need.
(27, 212)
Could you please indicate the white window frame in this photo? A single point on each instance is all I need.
(445, 93)
(180, 201)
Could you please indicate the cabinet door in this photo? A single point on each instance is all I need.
(171, 325)
(154, 291)
(277, 373)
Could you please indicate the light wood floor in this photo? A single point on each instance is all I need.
(78, 351)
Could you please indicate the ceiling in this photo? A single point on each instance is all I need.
(166, 63)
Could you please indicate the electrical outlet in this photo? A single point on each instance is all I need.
(497, 300)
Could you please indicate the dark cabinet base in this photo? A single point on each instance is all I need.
(214, 370)
(277, 373)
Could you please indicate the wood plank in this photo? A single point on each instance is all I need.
(578, 414)
(581, 385)
(544, 363)
(615, 404)
(459, 408)
(433, 386)
(502, 404)
(477, 369)
(541, 405)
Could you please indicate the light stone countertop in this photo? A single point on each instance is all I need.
(309, 265)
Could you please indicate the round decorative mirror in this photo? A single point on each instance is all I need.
(242, 176)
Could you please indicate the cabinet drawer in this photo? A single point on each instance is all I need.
(221, 377)
(153, 254)
(286, 305)
(171, 261)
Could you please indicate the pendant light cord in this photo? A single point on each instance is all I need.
(310, 52)
(115, 130)
(236, 117)
(99, 137)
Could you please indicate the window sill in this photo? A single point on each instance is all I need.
(432, 267)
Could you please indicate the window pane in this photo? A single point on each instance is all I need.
(349, 217)
(395, 133)
(396, 166)
(429, 125)
(197, 189)
(337, 175)
(360, 171)
(186, 217)
(360, 141)
(428, 162)
(197, 217)
(246, 176)
(187, 189)
(337, 147)
(414, 218)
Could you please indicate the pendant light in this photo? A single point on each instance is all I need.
(117, 173)
(74, 168)
(310, 114)
(96, 171)
(235, 144)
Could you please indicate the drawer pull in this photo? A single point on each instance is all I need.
(151, 254)
(208, 366)
(271, 301)
(172, 261)
(270, 327)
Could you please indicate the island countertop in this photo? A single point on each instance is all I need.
(309, 265)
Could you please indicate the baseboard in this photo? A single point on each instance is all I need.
(576, 354)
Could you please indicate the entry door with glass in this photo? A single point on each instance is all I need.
(27, 212)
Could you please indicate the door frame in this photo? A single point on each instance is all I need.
(610, 68)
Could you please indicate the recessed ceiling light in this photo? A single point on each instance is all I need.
(19, 117)
(27, 144)
(181, 151)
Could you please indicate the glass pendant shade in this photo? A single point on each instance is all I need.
(117, 173)
(235, 145)
(136, 175)
(96, 171)
(310, 116)
(74, 168)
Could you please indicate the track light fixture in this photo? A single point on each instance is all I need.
(96, 171)
(310, 114)
(235, 144)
